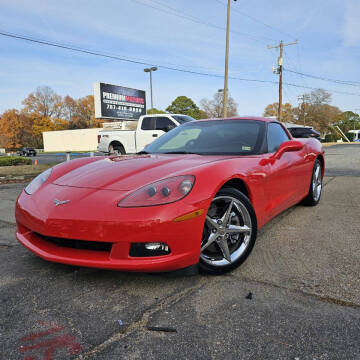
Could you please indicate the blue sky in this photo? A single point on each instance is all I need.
(328, 34)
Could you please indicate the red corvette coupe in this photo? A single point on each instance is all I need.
(196, 195)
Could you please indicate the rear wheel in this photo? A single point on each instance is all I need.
(116, 149)
(229, 232)
(315, 189)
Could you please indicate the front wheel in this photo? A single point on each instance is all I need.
(229, 232)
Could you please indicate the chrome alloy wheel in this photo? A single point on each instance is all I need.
(227, 231)
(316, 182)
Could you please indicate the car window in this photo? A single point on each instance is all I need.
(214, 137)
(164, 124)
(295, 131)
(276, 135)
(180, 139)
(148, 123)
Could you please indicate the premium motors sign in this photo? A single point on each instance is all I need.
(118, 102)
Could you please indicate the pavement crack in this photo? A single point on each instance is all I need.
(332, 178)
(327, 299)
(141, 324)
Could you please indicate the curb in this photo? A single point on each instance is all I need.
(9, 179)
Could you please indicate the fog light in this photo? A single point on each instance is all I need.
(149, 249)
(156, 246)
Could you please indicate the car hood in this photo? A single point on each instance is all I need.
(131, 172)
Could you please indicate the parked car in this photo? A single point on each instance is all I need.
(298, 131)
(149, 128)
(356, 133)
(25, 151)
(196, 195)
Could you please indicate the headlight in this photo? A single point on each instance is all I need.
(161, 192)
(38, 181)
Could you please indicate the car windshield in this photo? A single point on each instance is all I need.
(215, 137)
(182, 119)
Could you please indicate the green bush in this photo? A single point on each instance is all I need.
(331, 138)
(14, 160)
(350, 136)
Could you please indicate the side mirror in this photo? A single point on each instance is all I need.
(287, 146)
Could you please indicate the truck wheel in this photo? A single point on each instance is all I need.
(116, 149)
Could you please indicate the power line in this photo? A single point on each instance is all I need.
(314, 88)
(342, 82)
(114, 57)
(183, 15)
(259, 21)
(98, 53)
(122, 58)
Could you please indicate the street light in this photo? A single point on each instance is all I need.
(226, 61)
(150, 70)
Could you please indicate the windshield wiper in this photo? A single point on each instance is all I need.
(143, 152)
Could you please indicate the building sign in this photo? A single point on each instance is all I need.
(118, 102)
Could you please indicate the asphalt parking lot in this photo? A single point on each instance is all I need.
(296, 297)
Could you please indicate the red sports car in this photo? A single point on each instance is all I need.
(196, 195)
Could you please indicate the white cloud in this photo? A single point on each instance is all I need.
(351, 29)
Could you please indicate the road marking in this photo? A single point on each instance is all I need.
(47, 345)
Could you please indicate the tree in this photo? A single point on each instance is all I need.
(319, 113)
(83, 113)
(214, 108)
(184, 105)
(347, 120)
(315, 111)
(155, 111)
(39, 126)
(70, 108)
(15, 129)
(287, 112)
(43, 103)
(43, 106)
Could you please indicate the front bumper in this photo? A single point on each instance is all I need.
(92, 215)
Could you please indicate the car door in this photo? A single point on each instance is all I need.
(285, 184)
(152, 127)
(146, 134)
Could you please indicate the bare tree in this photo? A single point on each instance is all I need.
(287, 112)
(44, 102)
(214, 108)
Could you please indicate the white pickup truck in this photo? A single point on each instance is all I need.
(149, 128)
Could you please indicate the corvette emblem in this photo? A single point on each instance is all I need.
(60, 202)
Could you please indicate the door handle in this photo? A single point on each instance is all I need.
(155, 135)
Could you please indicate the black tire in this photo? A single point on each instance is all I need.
(212, 255)
(315, 189)
(116, 149)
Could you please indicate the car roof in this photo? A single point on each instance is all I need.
(165, 114)
(295, 126)
(257, 118)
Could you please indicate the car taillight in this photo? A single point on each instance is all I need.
(99, 137)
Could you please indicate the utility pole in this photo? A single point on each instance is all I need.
(303, 103)
(280, 71)
(226, 77)
(150, 70)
